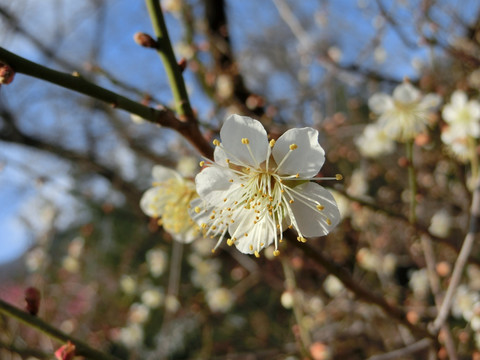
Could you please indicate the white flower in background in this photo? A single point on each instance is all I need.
(156, 261)
(440, 224)
(462, 115)
(187, 166)
(404, 114)
(457, 145)
(419, 283)
(255, 189)
(464, 302)
(168, 200)
(374, 142)
(368, 260)
(138, 313)
(131, 336)
(220, 300)
(333, 286)
(287, 299)
(153, 297)
(128, 284)
(358, 186)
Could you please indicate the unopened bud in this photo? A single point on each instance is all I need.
(32, 299)
(182, 64)
(144, 40)
(6, 74)
(65, 352)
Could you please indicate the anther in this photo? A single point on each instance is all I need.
(201, 163)
(291, 201)
(272, 143)
(320, 207)
(229, 242)
(276, 253)
(245, 141)
(329, 222)
(293, 146)
(339, 177)
(251, 247)
(216, 142)
(257, 255)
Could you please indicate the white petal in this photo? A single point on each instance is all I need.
(449, 113)
(259, 235)
(212, 181)
(431, 101)
(406, 93)
(306, 160)
(313, 222)
(458, 99)
(380, 102)
(220, 156)
(152, 202)
(235, 129)
(474, 109)
(162, 173)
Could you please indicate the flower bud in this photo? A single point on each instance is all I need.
(32, 299)
(6, 74)
(182, 64)
(145, 40)
(65, 352)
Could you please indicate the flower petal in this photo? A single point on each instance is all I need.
(152, 202)
(430, 101)
(459, 99)
(213, 181)
(235, 129)
(259, 235)
(380, 103)
(406, 93)
(306, 160)
(314, 222)
(161, 173)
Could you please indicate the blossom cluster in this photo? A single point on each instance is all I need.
(252, 192)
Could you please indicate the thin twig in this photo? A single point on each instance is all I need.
(407, 350)
(461, 260)
(81, 348)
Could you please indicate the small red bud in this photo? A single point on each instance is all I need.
(182, 64)
(32, 298)
(65, 352)
(144, 40)
(6, 74)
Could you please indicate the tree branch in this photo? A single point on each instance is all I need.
(81, 348)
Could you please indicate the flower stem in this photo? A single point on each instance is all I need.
(412, 182)
(81, 348)
(165, 50)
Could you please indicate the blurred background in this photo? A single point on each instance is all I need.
(73, 170)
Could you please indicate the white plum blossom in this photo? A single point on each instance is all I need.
(458, 146)
(462, 115)
(257, 188)
(168, 200)
(220, 299)
(374, 142)
(404, 114)
(440, 224)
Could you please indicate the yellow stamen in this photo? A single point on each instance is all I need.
(201, 163)
(216, 142)
(320, 207)
(276, 253)
(293, 146)
(272, 143)
(339, 177)
(245, 141)
(329, 222)
(197, 209)
(257, 255)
